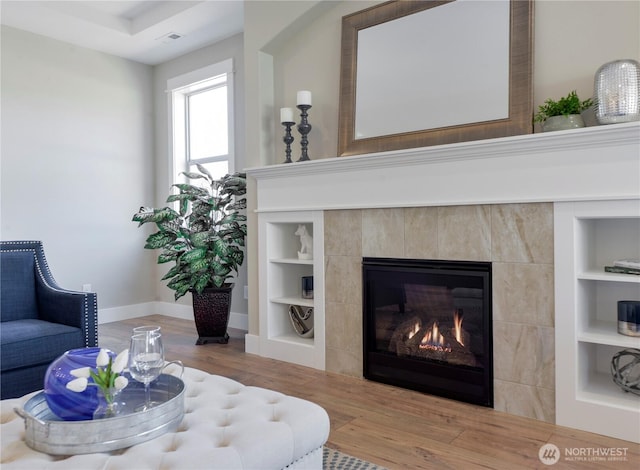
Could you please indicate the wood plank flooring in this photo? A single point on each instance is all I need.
(386, 425)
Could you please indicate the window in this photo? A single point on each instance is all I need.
(201, 119)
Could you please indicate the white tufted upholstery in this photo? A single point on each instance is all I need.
(226, 425)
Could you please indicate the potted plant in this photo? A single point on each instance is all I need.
(562, 114)
(205, 238)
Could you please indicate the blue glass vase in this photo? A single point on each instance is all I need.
(64, 403)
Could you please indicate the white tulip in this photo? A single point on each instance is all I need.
(120, 382)
(121, 361)
(81, 372)
(103, 358)
(78, 385)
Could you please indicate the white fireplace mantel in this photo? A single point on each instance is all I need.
(593, 163)
(596, 167)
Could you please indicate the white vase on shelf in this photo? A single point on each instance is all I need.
(617, 92)
(560, 123)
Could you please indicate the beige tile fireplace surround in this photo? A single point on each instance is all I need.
(493, 200)
(516, 238)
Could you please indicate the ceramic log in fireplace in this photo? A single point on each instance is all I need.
(428, 326)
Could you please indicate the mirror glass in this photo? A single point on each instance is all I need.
(475, 61)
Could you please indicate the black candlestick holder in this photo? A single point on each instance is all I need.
(304, 128)
(288, 140)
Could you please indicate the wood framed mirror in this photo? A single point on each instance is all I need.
(422, 73)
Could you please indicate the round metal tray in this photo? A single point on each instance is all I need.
(45, 432)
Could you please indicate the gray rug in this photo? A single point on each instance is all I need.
(335, 460)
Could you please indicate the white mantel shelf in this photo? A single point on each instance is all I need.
(593, 163)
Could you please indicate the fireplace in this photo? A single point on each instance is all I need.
(505, 215)
(427, 326)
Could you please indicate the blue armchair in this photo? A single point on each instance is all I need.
(39, 320)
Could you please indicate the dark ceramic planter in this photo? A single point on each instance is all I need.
(211, 311)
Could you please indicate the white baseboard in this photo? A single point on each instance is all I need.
(108, 315)
(252, 344)
(239, 321)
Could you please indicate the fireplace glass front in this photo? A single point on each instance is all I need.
(427, 326)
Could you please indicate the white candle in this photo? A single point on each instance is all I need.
(286, 115)
(304, 97)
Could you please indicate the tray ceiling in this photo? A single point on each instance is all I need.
(150, 32)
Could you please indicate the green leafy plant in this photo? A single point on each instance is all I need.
(570, 104)
(205, 236)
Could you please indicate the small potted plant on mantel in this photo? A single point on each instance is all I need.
(205, 239)
(562, 114)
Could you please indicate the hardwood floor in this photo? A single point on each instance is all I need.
(386, 425)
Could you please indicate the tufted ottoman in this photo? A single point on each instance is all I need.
(226, 426)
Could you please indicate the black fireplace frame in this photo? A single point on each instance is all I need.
(467, 384)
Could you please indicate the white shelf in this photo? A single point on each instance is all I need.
(602, 390)
(308, 262)
(593, 275)
(592, 163)
(588, 236)
(280, 285)
(295, 340)
(293, 301)
(606, 332)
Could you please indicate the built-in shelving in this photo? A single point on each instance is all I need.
(280, 282)
(597, 166)
(588, 237)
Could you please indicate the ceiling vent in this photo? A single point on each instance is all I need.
(169, 37)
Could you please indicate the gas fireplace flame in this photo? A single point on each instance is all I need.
(434, 340)
(414, 331)
(457, 326)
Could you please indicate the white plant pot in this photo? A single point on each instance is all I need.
(560, 123)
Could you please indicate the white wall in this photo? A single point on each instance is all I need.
(77, 162)
(291, 46)
(84, 145)
(228, 48)
(571, 40)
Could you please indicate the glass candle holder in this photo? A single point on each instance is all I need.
(307, 287)
(617, 92)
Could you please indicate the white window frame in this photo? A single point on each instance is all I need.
(178, 88)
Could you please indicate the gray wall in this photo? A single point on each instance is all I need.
(84, 145)
(77, 161)
(228, 48)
